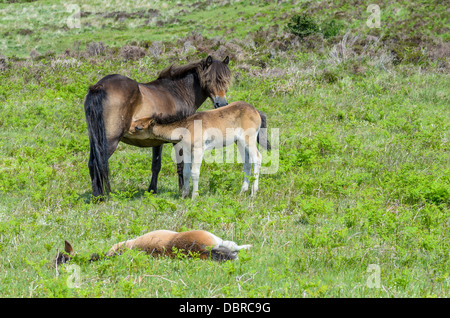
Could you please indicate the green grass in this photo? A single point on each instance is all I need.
(173, 19)
(363, 176)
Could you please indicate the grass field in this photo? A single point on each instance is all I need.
(358, 205)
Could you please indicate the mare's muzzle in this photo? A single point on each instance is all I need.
(219, 101)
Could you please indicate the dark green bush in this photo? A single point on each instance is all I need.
(302, 25)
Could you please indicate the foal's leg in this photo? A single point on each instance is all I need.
(256, 159)
(156, 168)
(187, 172)
(247, 165)
(196, 163)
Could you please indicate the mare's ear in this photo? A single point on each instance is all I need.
(226, 60)
(209, 61)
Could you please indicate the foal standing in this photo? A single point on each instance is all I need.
(238, 122)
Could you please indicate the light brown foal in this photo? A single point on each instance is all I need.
(238, 122)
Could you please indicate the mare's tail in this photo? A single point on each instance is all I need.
(262, 135)
(98, 158)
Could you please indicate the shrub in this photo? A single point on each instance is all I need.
(302, 26)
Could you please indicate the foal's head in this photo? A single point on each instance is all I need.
(215, 78)
(63, 257)
(141, 124)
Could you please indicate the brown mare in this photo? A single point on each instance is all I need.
(114, 102)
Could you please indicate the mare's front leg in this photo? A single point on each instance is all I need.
(156, 168)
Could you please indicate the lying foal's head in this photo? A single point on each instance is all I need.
(63, 257)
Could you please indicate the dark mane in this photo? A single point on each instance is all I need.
(162, 119)
(174, 72)
(218, 74)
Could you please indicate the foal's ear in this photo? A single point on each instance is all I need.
(209, 61)
(226, 60)
(68, 248)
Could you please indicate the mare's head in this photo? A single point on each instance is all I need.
(215, 78)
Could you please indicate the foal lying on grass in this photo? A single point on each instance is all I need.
(166, 243)
(237, 122)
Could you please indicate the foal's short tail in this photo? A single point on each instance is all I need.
(98, 159)
(262, 136)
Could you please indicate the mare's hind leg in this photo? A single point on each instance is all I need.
(112, 145)
(156, 168)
